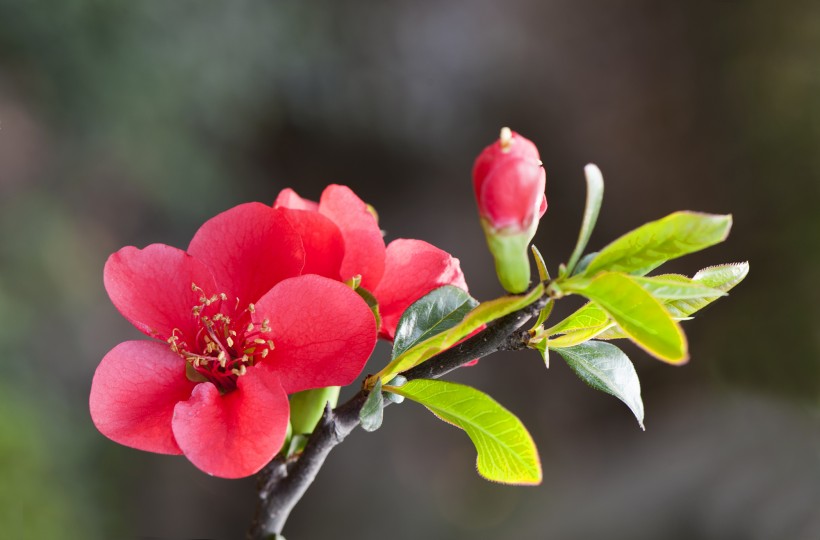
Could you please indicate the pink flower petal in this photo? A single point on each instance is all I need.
(542, 207)
(323, 243)
(289, 199)
(364, 244)
(513, 193)
(236, 434)
(519, 149)
(323, 332)
(249, 249)
(134, 392)
(413, 269)
(151, 287)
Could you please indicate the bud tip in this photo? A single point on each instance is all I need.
(592, 171)
(505, 138)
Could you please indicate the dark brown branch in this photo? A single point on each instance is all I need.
(282, 483)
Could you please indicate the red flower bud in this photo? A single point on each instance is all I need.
(509, 183)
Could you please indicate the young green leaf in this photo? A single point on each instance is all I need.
(586, 323)
(581, 267)
(484, 313)
(605, 367)
(432, 314)
(540, 345)
(587, 316)
(672, 287)
(571, 339)
(595, 195)
(543, 273)
(372, 412)
(720, 278)
(544, 314)
(372, 303)
(649, 246)
(506, 451)
(642, 317)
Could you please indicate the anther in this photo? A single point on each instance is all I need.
(241, 371)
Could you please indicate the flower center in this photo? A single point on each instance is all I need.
(224, 347)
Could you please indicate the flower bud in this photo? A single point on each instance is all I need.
(509, 184)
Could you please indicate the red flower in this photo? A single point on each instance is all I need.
(509, 183)
(342, 239)
(240, 330)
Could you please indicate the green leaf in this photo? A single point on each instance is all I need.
(672, 287)
(540, 345)
(484, 313)
(372, 303)
(595, 195)
(642, 317)
(544, 314)
(372, 412)
(586, 323)
(582, 265)
(587, 316)
(649, 246)
(720, 278)
(605, 367)
(432, 314)
(543, 273)
(571, 339)
(506, 451)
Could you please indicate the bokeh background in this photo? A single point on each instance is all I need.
(133, 122)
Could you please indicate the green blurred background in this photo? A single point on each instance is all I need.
(133, 122)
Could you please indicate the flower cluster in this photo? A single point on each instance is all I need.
(258, 307)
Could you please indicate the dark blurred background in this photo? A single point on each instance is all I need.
(133, 122)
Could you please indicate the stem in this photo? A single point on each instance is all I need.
(282, 483)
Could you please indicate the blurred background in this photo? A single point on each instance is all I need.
(128, 123)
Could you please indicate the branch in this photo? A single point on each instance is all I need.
(282, 483)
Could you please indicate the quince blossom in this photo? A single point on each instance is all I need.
(342, 239)
(238, 328)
